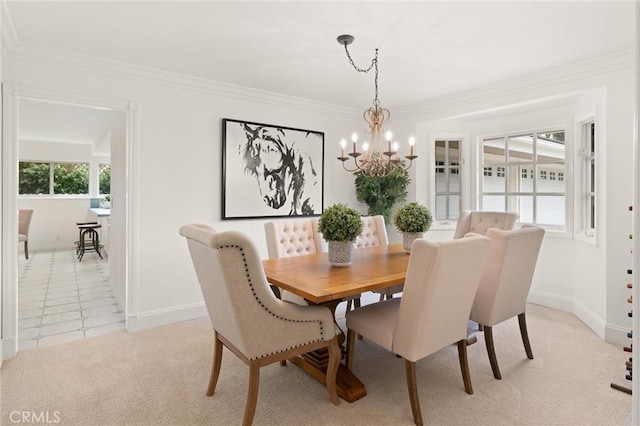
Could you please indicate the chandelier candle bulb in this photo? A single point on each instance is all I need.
(343, 145)
(375, 161)
(412, 141)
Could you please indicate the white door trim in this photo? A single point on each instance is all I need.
(11, 95)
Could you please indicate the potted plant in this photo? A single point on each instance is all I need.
(340, 225)
(105, 203)
(413, 220)
(381, 193)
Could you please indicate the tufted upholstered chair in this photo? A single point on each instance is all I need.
(433, 311)
(505, 282)
(292, 238)
(247, 318)
(24, 222)
(479, 222)
(374, 233)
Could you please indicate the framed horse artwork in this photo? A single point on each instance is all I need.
(271, 171)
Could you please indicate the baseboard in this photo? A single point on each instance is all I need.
(8, 349)
(551, 300)
(594, 322)
(152, 319)
(617, 335)
(607, 332)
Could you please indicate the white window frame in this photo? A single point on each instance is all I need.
(583, 230)
(51, 193)
(465, 174)
(566, 230)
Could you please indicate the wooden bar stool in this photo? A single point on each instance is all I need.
(89, 239)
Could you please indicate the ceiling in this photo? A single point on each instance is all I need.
(428, 49)
(63, 123)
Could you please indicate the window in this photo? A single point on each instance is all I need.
(448, 184)
(487, 171)
(560, 176)
(104, 177)
(588, 153)
(517, 159)
(53, 178)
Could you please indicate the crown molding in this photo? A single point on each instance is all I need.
(612, 62)
(29, 52)
(8, 33)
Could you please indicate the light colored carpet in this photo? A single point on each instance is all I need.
(159, 377)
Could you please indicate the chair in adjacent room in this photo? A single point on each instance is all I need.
(24, 222)
(88, 239)
(246, 316)
(479, 222)
(433, 311)
(504, 284)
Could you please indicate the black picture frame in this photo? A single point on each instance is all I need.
(271, 171)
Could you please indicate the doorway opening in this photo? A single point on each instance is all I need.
(83, 147)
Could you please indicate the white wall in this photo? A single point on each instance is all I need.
(579, 277)
(177, 168)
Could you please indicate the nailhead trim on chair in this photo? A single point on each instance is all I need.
(246, 268)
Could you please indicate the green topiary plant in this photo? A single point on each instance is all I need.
(413, 217)
(381, 193)
(340, 223)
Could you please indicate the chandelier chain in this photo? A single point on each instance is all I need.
(377, 158)
(374, 65)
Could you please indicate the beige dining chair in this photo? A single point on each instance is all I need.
(291, 237)
(374, 233)
(433, 311)
(24, 222)
(504, 284)
(246, 316)
(479, 222)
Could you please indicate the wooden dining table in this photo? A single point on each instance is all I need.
(313, 278)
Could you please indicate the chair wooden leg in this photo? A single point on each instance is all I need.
(356, 303)
(351, 343)
(26, 249)
(252, 394)
(488, 340)
(335, 355)
(382, 296)
(348, 305)
(525, 336)
(464, 366)
(215, 368)
(410, 368)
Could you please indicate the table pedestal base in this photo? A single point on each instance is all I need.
(349, 387)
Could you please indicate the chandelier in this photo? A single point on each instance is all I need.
(380, 157)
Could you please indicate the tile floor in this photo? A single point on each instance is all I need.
(62, 299)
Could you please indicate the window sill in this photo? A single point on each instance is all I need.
(586, 237)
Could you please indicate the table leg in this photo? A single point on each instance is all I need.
(349, 387)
